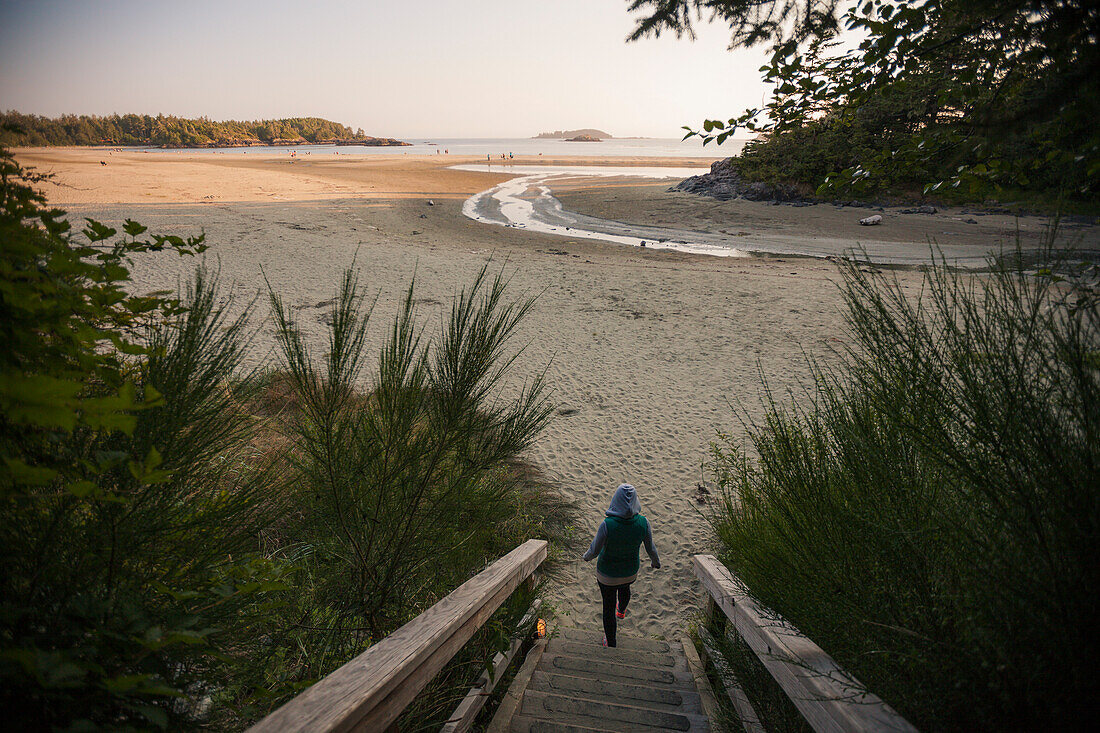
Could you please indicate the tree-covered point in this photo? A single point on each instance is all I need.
(18, 129)
(975, 98)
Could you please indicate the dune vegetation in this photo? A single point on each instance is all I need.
(187, 543)
(931, 518)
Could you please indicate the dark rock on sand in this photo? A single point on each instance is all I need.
(724, 183)
(920, 210)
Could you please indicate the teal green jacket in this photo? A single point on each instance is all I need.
(616, 544)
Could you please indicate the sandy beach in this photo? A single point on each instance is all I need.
(648, 352)
(954, 228)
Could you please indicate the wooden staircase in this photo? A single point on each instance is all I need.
(571, 684)
(580, 686)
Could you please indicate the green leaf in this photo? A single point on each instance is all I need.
(40, 400)
(81, 489)
(132, 228)
(145, 472)
(27, 475)
(50, 669)
(125, 683)
(97, 232)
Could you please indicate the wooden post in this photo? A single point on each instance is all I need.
(702, 684)
(715, 619)
(750, 721)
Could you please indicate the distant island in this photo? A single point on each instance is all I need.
(587, 133)
(583, 139)
(177, 132)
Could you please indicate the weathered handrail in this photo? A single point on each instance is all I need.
(830, 699)
(370, 692)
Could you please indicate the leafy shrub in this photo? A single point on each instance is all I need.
(128, 511)
(184, 544)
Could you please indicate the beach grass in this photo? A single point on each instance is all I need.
(930, 519)
(403, 480)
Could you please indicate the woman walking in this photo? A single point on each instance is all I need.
(616, 544)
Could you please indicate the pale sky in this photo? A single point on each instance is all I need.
(428, 68)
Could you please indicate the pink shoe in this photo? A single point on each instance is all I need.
(604, 642)
(617, 614)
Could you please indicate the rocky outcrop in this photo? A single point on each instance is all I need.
(724, 183)
(584, 139)
(382, 142)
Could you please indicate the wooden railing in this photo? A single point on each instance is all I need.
(370, 692)
(830, 699)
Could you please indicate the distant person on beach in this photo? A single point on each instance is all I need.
(616, 544)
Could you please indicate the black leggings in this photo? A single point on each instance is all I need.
(611, 594)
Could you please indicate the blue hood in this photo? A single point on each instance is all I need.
(624, 504)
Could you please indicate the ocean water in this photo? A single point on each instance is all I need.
(616, 147)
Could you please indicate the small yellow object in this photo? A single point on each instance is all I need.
(540, 629)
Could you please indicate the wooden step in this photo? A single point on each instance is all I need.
(527, 724)
(621, 654)
(668, 699)
(606, 670)
(606, 715)
(624, 641)
(580, 686)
